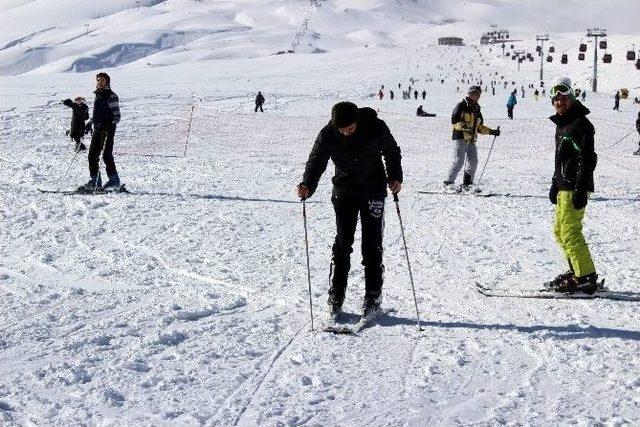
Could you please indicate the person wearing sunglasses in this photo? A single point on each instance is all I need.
(575, 161)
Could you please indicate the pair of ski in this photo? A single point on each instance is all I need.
(337, 325)
(462, 193)
(544, 293)
(119, 189)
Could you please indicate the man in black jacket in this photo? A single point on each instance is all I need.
(106, 115)
(79, 114)
(575, 161)
(357, 141)
(259, 102)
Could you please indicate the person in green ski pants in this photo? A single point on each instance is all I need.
(575, 161)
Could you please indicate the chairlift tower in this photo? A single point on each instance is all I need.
(541, 38)
(595, 33)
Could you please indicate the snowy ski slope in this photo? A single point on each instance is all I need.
(186, 302)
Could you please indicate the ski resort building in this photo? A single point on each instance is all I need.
(450, 41)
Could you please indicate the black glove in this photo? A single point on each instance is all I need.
(553, 194)
(88, 128)
(495, 132)
(579, 199)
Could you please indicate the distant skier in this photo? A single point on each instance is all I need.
(511, 103)
(424, 94)
(357, 141)
(583, 95)
(575, 161)
(616, 101)
(536, 94)
(638, 129)
(522, 90)
(391, 95)
(259, 102)
(380, 94)
(415, 94)
(79, 115)
(105, 117)
(467, 122)
(421, 113)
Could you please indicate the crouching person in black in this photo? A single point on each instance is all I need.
(79, 115)
(106, 115)
(357, 141)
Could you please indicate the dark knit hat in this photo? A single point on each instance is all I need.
(473, 89)
(344, 114)
(106, 76)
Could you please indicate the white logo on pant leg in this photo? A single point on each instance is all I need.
(376, 207)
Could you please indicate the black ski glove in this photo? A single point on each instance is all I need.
(579, 199)
(553, 193)
(495, 132)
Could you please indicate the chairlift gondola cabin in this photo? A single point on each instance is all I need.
(564, 59)
(581, 56)
(631, 55)
(603, 44)
(549, 58)
(552, 49)
(606, 58)
(514, 57)
(511, 46)
(531, 59)
(538, 49)
(583, 47)
(508, 54)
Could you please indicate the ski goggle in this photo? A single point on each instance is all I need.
(560, 90)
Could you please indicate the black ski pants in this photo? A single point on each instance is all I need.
(510, 112)
(371, 212)
(102, 141)
(260, 107)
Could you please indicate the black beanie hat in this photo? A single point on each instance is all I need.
(344, 114)
(106, 76)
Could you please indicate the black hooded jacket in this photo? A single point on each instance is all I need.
(79, 115)
(575, 158)
(359, 169)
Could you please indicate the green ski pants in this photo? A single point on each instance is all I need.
(568, 231)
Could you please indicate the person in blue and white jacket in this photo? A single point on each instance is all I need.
(105, 117)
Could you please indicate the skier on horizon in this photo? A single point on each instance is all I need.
(616, 102)
(357, 141)
(511, 103)
(575, 161)
(79, 114)
(259, 102)
(467, 122)
(105, 117)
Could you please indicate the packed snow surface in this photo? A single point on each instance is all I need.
(186, 302)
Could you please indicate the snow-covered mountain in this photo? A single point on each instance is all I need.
(72, 35)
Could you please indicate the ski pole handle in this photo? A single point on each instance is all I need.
(395, 197)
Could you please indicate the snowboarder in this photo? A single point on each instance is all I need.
(105, 117)
(79, 115)
(467, 123)
(259, 102)
(575, 161)
(357, 141)
(511, 102)
(638, 129)
(616, 102)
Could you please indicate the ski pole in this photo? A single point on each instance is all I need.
(406, 252)
(620, 140)
(488, 155)
(306, 245)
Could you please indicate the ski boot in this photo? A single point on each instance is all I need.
(335, 307)
(450, 187)
(113, 184)
(587, 284)
(371, 308)
(94, 184)
(553, 284)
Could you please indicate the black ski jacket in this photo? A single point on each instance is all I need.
(467, 121)
(638, 122)
(106, 108)
(358, 158)
(575, 158)
(259, 99)
(80, 114)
